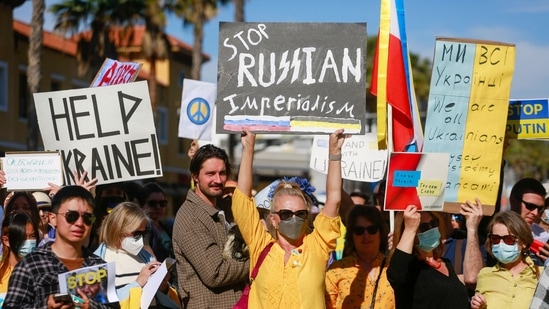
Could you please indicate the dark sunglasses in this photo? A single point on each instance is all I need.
(286, 214)
(137, 235)
(507, 239)
(371, 229)
(72, 216)
(154, 203)
(532, 206)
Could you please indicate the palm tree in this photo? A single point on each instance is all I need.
(155, 44)
(239, 10)
(34, 69)
(105, 15)
(196, 13)
(73, 17)
(238, 17)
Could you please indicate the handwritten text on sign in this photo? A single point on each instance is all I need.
(291, 77)
(467, 113)
(107, 131)
(114, 72)
(32, 170)
(360, 161)
(416, 178)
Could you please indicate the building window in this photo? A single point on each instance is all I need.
(3, 86)
(162, 125)
(24, 95)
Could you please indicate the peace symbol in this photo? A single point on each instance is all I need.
(198, 111)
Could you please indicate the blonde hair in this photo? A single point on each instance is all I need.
(292, 189)
(125, 218)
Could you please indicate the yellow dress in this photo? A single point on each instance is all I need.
(349, 286)
(300, 282)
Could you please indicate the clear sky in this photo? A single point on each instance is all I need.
(523, 23)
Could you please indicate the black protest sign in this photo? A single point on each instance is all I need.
(291, 77)
(107, 131)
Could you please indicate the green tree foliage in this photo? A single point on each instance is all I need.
(528, 158)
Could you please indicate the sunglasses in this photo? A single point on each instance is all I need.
(72, 216)
(371, 229)
(154, 203)
(532, 206)
(507, 239)
(137, 235)
(286, 214)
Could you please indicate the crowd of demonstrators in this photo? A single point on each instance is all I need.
(428, 268)
(512, 281)
(359, 279)
(34, 279)
(292, 273)
(419, 275)
(205, 278)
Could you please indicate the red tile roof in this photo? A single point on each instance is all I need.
(69, 45)
(51, 40)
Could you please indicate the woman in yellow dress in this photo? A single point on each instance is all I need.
(293, 272)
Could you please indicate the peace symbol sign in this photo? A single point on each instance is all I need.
(198, 111)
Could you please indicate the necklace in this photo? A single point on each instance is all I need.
(433, 263)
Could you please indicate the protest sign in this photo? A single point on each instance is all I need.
(415, 178)
(32, 170)
(360, 161)
(467, 114)
(197, 106)
(114, 72)
(291, 77)
(107, 131)
(528, 119)
(96, 281)
(155, 280)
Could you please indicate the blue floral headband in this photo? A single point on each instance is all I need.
(303, 184)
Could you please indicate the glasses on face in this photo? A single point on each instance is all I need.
(532, 206)
(154, 203)
(507, 239)
(371, 229)
(137, 235)
(286, 214)
(72, 216)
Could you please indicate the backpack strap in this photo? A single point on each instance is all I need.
(260, 260)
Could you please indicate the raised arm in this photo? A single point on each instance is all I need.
(245, 174)
(412, 218)
(472, 261)
(333, 179)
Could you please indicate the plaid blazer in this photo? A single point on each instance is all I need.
(34, 278)
(206, 279)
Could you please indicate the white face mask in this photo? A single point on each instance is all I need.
(132, 246)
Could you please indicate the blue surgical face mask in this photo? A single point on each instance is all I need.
(429, 240)
(27, 247)
(546, 219)
(505, 253)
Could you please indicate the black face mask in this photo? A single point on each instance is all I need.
(109, 202)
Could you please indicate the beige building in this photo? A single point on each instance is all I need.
(59, 72)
